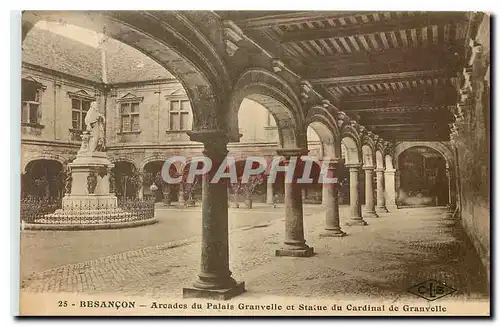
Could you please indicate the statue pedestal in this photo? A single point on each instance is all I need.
(90, 203)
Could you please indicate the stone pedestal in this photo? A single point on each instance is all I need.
(381, 191)
(331, 202)
(369, 202)
(355, 204)
(89, 201)
(214, 279)
(294, 244)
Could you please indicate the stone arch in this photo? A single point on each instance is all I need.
(440, 147)
(117, 159)
(389, 162)
(379, 159)
(352, 143)
(43, 177)
(275, 94)
(170, 39)
(320, 119)
(44, 156)
(352, 155)
(368, 151)
(150, 159)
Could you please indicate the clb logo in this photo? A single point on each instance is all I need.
(431, 290)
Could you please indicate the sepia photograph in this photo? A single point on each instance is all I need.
(254, 163)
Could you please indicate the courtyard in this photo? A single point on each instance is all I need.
(382, 259)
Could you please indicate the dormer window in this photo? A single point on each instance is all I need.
(30, 101)
(80, 104)
(179, 108)
(129, 106)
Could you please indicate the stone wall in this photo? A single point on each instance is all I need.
(473, 146)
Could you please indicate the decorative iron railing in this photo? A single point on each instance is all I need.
(35, 211)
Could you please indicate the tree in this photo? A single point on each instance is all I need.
(189, 189)
(250, 186)
(235, 190)
(164, 188)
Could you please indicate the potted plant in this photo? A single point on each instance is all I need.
(189, 189)
(235, 190)
(164, 188)
(249, 189)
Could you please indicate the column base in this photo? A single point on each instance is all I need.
(332, 233)
(214, 294)
(382, 209)
(305, 252)
(391, 208)
(356, 221)
(371, 214)
(450, 215)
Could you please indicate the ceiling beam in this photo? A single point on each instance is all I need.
(391, 110)
(390, 123)
(285, 18)
(353, 80)
(392, 60)
(428, 53)
(385, 25)
(403, 104)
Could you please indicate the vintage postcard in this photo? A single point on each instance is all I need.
(255, 163)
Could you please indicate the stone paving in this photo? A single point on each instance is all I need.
(384, 258)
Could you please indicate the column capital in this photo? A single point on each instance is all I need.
(353, 165)
(215, 142)
(368, 167)
(379, 169)
(333, 163)
(291, 152)
(390, 171)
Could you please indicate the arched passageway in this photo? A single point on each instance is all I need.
(152, 185)
(423, 178)
(43, 179)
(126, 179)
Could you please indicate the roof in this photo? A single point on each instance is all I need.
(56, 52)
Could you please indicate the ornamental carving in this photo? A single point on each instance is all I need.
(91, 182)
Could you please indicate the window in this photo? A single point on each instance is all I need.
(30, 101)
(180, 115)
(79, 108)
(270, 120)
(129, 116)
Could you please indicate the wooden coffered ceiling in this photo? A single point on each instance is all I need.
(393, 72)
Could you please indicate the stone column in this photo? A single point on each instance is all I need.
(355, 204)
(451, 195)
(381, 191)
(269, 194)
(140, 192)
(397, 183)
(331, 202)
(214, 280)
(180, 195)
(369, 200)
(294, 244)
(390, 189)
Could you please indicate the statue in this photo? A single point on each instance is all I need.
(95, 129)
(67, 181)
(91, 182)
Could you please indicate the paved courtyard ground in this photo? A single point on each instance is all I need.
(384, 258)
